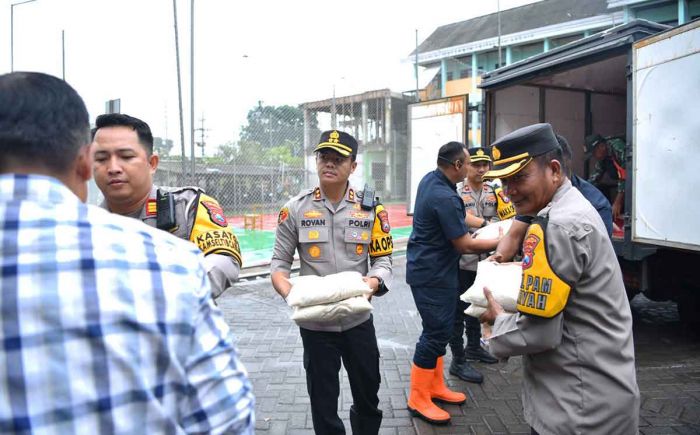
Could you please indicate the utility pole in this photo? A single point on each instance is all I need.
(63, 53)
(179, 94)
(201, 131)
(194, 175)
(498, 5)
(415, 65)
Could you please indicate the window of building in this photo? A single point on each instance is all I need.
(489, 61)
(693, 9)
(520, 52)
(464, 67)
(664, 12)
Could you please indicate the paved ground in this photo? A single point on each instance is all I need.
(668, 368)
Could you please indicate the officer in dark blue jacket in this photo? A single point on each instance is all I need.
(439, 237)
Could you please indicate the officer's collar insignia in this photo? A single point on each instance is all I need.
(480, 152)
(216, 213)
(496, 153)
(284, 214)
(151, 208)
(351, 194)
(334, 136)
(317, 193)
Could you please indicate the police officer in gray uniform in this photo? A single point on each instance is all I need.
(480, 202)
(574, 324)
(334, 228)
(124, 165)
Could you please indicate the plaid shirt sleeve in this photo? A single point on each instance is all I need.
(220, 397)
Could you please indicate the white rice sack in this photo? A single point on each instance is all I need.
(475, 310)
(503, 279)
(314, 290)
(490, 231)
(333, 311)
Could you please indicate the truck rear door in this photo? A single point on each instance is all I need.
(666, 156)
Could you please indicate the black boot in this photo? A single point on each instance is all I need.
(464, 371)
(474, 351)
(479, 354)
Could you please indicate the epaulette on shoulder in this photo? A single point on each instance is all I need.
(180, 189)
(494, 184)
(304, 193)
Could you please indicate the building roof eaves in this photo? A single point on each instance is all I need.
(522, 18)
(520, 37)
(594, 45)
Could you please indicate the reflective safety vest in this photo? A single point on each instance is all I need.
(542, 292)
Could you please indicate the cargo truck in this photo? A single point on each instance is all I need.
(640, 80)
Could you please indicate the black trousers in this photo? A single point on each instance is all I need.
(462, 322)
(358, 351)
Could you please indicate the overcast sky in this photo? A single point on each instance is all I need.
(279, 52)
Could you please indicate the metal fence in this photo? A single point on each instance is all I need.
(273, 159)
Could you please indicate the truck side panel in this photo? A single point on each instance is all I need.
(666, 131)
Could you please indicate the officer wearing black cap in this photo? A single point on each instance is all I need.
(333, 231)
(573, 325)
(481, 205)
(440, 235)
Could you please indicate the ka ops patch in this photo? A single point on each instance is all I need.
(381, 243)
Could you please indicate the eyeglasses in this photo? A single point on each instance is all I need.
(334, 158)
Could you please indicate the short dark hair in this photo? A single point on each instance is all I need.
(450, 152)
(43, 122)
(555, 154)
(143, 131)
(566, 154)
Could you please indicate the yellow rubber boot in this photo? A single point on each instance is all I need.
(439, 390)
(419, 403)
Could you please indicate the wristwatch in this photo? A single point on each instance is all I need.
(484, 223)
(381, 288)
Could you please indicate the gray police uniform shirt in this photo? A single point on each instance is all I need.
(222, 270)
(481, 204)
(328, 240)
(579, 373)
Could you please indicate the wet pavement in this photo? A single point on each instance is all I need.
(668, 368)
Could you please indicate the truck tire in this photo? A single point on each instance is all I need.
(689, 309)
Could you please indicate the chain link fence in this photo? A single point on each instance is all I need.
(273, 159)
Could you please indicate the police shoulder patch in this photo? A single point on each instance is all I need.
(216, 213)
(283, 215)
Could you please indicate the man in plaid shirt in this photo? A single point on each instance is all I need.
(107, 325)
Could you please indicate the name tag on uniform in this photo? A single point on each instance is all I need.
(359, 223)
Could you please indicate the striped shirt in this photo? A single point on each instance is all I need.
(107, 325)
